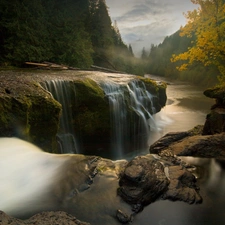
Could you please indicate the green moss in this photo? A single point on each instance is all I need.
(91, 111)
(27, 112)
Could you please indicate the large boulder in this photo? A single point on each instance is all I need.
(68, 182)
(148, 178)
(215, 121)
(28, 111)
(31, 111)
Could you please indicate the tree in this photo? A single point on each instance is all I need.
(144, 54)
(207, 24)
(131, 50)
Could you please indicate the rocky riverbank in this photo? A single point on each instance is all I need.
(29, 111)
(202, 141)
(136, 183)
(118, 190)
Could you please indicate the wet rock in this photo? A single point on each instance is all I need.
(143, 180)
(44, 218)
(215, 122)
(201, 146)
(166, 140)
(148, 178)
(216, 93)
(172, 137)
(123, 217)
(182, 186)
(28, 110)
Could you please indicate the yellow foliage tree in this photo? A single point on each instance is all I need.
(207, 24)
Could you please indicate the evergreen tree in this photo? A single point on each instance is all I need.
(130, 50)
(144, 54)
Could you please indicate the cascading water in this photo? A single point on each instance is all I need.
(65, 94)
(118, 116)
(131, 106)
(142, 104)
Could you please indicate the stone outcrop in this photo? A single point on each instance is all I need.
(148, 178)
(44, 218)
(206, 141)
(29, 111)
(118, 190)
(215, 121)
(210, 146)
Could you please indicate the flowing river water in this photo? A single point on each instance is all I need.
(187, 107)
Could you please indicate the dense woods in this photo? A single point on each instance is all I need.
(77, 33)
(80, 33)
(197, 51)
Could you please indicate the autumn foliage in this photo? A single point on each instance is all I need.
(207, 25)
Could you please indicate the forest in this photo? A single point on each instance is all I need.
(77, 33)
(196, 52)
(80, 33)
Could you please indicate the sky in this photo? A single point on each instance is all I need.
(145, 22)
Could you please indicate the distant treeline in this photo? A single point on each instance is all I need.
(158, 61)
(77, 33)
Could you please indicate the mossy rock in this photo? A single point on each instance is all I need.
(28, 112)
(217, 92)
(158, 90)
(91, 115)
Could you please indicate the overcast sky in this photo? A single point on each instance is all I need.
(145, 22)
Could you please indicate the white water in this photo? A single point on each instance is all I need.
(130, 105)
(65, 94)
(127, 129)
(26, 176)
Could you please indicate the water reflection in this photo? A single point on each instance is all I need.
(186, 107)
(211, 179)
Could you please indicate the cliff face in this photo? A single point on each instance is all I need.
(27, 111)
(30, 110)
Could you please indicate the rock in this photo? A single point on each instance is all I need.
(172, 137)
(217, 93)
(44, 218)
(143, 181)
(123, 217)
(148, 178)
(182, 186)
(29, 111)
(166, 140)
(215, 122)
(196, 145)
(211, 146)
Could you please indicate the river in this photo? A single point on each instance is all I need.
(210, 175)
(187, 107)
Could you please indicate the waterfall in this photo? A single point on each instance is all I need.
(118, 117)
(131, 109)
(65, 94)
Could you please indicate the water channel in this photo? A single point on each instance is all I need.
(187, 107)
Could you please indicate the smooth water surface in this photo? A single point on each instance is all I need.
(210, 175)
(186, 107)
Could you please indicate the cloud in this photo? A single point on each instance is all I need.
(146, 22)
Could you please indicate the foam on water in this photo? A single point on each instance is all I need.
(26, 174)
